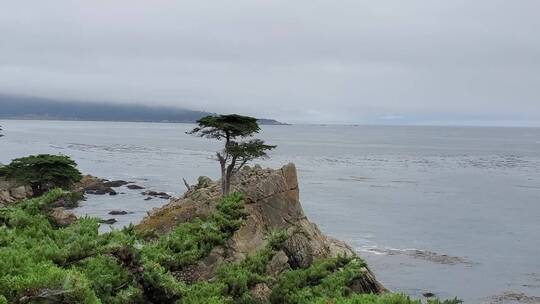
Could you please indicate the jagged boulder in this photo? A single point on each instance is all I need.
(11, 192)
(62, 217)
(271, 202)
(93, 185)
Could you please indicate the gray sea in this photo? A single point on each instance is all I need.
(450, 210)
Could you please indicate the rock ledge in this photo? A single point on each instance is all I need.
(272, 202)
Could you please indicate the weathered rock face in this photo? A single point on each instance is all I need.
(11, 192)
(62, 217)
(272, 202)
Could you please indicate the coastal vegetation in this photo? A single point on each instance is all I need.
(43, 263)
(235, 154)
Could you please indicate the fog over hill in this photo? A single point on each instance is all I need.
(21, 107)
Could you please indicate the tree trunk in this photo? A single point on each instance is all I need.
(222, 163)
(227, 184)
(224, 187)
(224, 180)
(228, 176)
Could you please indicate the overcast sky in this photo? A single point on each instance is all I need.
(377, 61)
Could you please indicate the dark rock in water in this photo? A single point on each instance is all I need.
(108, 221)
(134, 187)
(428, 294)
(112, 192)
(97, 191)
(92, 185)
(118, 212)
(162, 195)
(115, 184)
(153, 193)
(148, 198)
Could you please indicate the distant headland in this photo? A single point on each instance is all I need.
(37, 108)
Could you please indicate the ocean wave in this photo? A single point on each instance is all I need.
(121, 148)
(513, 297)
(417, 254)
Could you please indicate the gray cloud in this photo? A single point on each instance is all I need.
(319, 61)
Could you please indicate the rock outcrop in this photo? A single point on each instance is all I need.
(93, 185)
(11, 192)
(62, 217)
(272, 202)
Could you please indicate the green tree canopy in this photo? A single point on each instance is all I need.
(43, 172)
(236, 153)
(226, 127)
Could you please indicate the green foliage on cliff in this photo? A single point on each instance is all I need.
(40, 262)
(329, 278)
(189, 242)
(43, 172)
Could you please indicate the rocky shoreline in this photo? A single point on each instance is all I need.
(271, 199)
(12, 192)
(271, 203)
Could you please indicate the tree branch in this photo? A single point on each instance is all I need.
(186, 184)
(240, 166)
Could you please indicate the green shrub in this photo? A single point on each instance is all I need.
(328, 278)
(240, 277)
(189, 242)
(106, 276)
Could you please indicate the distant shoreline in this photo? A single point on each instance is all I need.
(264, 121)
(278, 123)
(36, 108)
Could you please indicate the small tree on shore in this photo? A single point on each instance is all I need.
(43, 172)
(232, 129)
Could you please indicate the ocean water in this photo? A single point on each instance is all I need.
(450, 210)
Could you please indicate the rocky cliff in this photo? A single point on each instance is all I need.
(272, 203)
(11, 192)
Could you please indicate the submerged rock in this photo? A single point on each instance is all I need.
(108, 221)
(115, 184)
(162, 195)
(272, 203)
(118, 212)
(93, 185)
(134, 187)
